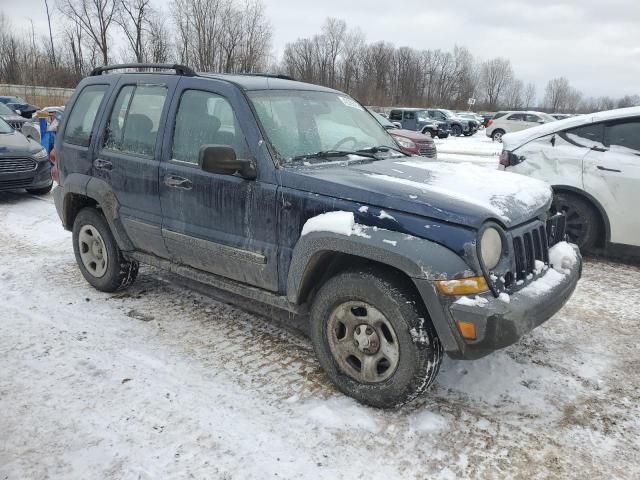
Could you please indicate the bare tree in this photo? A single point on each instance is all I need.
(529, 96)
(95, 18)
(133, 18)
(556, 94)
(53, 50)
(158, 44)
(494, 77)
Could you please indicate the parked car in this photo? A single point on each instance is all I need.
(478, 119)
(19, 106)
(514, 121)
(459, 126)
(23, 162)
(411, 142)
(418, 120)
(293, 195)
(593, 164)
(12, 118)
(561, 116)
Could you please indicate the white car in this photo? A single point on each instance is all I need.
(593, 164)
(514, 122)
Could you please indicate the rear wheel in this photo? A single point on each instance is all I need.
(496, 136)
(583, 221)
(374, 338)
(98, 255)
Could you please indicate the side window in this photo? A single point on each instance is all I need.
(624, 137)
(83, 115)
(532, 118)
(395, 115)
(409, 115)
(204, 118)
(586, 136)
(518, 117)
(135, 118)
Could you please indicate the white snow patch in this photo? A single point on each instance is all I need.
(342, 223)
(544, 284)
(341, 413)
(504, 297)
(413, 197)
(363, 209)
(472, 302)
(384, 215)
(563, 257)
(390, 242)
(429, 422)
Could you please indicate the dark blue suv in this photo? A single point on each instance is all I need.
(293, 195)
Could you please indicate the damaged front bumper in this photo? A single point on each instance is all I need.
(499, 323)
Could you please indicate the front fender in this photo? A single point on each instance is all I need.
(416, 257)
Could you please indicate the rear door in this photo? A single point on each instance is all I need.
(128, 154)
(612, 176)
(409, 120)
(222, 224)
(515, 122)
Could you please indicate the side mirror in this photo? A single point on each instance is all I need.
(221, 159)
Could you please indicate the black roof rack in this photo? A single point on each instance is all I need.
(269, 75)
(180, 69)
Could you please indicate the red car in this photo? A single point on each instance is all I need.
(413, 143)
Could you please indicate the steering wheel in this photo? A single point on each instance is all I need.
(345, 140)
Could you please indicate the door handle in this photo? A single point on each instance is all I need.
(600, 167)
(174, 181)
(102, 164)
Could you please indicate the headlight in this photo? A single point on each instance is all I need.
(490, 247)
(405, 142)
(41, 155)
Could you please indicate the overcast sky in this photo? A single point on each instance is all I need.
(594, 43)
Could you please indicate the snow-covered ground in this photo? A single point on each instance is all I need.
(163, 382)
(478, 149)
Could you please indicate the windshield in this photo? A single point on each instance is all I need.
(422, 116)
(300, 123)
(4, 127)
(547, 118)
(4, 110)
(448, 113)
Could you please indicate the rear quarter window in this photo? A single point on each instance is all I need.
(587, 136)
(83, 115)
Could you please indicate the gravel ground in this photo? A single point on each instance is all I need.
(163, 382)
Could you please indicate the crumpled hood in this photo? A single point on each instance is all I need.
(464, 194)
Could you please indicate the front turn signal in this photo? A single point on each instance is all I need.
(462, 286)
(467, 330)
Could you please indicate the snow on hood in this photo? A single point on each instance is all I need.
(458, 193)
(511, 141)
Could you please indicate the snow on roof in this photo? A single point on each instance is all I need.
(514, 140)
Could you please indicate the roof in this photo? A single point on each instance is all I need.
(517, 139)
(265, 82)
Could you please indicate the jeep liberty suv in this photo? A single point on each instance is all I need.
(293, 195)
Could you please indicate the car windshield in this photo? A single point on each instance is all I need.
(4, 110)
(448, 113)
(299, 123)
(546, 117)
(5, 127)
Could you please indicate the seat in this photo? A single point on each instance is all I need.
(138, 135)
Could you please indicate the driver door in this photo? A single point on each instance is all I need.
(222, 224)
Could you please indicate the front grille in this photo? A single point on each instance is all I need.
(15, 124)
(532, 243)
(17, 165)
(20, 183)
(427, 149)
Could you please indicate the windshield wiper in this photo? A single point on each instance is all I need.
(333, 153)
(379, 149)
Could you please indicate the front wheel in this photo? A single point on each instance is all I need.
(98, 255)
(373, 337)
(456, 130)
(583, 225)
(496, 136)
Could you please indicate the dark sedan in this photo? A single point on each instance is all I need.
(19, 105)
(23, 162)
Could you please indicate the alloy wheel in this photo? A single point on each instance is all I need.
(93, 251)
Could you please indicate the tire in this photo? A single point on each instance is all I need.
(92, 240)
(430, 132)
(40, 191)
(583, 220)
(443, 135)
(394, 320)
(456, 130)
(497, 134)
